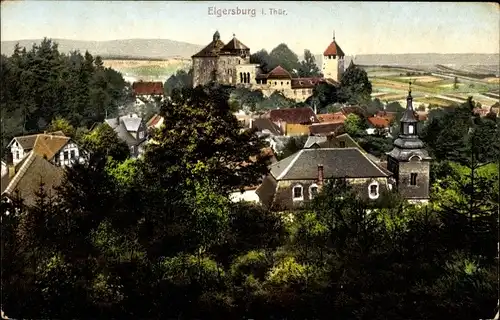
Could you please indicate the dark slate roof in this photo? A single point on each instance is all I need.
(325, 128)
(234, 44)
(337, 163)
(311, 140)
(293, 115)
(267, 190)
(211, 50)
(33, 170)
(262, 124)
(409, 114)
(125, 127)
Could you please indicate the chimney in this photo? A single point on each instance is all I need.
(321, 174)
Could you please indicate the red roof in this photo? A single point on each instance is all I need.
(379, 122)
(333, 50)
(154, 120)
(293, 115)
(147, 88)
(337, 117)
(326, 128)
(279, 73)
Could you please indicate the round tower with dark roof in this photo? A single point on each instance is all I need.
(408, 160)
(333, 61)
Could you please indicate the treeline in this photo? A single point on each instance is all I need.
(40, 84)
(158, 238)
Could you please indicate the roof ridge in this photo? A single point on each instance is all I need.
(284, 172)
(12, 184)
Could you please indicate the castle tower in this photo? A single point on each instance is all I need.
(333, 61)
(408, 160)
(205, 62)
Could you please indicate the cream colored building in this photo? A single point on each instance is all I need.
(230, 64)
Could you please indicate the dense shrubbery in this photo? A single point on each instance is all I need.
(159, 238)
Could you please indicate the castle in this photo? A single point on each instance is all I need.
(230, 64)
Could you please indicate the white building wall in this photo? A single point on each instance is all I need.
(68, 153)
(17, 153)
(5, 169)
(247, 195)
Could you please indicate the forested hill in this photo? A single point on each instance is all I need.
(39, 83)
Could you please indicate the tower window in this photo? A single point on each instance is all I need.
(413, 179)
(411, 129)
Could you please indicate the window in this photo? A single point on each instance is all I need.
(281, 82)
(313, 191)
(66, 155)
(17, 155)
(72, 154)
(411, 129)
(373, 190)
(413, 179)
(132, 149)
(298, 193)
(342, 144)
(141, 134)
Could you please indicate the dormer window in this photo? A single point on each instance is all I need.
(298, 193)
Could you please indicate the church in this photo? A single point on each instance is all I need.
(229, 64)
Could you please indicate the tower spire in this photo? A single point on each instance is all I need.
(409, 104)
(333, 34)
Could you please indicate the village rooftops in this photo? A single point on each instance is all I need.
(326, 128)
(337, 163)
(143, 88)
(234, 45)
(28, 142)
(333, 49)
(30, 172)
(303, 115)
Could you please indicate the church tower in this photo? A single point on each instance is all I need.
(408, 160)
(333, 61)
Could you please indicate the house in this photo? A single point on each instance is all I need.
(147, 91)
(249, 194)
(380, 124)
(332, 141)
(155, 122)
(295, 180)
(292, 121)
(336, 117)
(132, 130)
(54, 147)
(25, 178)
(357, 110)
(324, 128)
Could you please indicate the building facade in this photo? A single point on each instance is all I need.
(229, 64)
(408, 160)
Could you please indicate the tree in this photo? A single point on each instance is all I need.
(293, 145)
(61, 124)
(104, 140)
(355, 86)
(323, 95)
(308, 66)
(201, 137)
(181, 79)
(266, 62)
(286, 58)
(354, 125)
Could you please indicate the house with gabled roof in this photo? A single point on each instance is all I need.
(132, 130)
(54, 147)
(295, 180)
(26, 177)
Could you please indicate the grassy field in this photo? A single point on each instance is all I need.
(150, 70)
(391, 84)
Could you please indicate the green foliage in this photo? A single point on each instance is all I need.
(323, 95)
(181, 79)
(308, 66)
(41, 84)
(60, 124)
(354, 125)
(281, 55)
(355, 86)
(294, 144)
(104, 140)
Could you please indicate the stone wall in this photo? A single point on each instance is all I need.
(422, 169)
(203, 70)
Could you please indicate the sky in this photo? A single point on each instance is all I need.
(360, 27)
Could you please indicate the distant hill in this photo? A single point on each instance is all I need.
(165, 49)
(131, 48)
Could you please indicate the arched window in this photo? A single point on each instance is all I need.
(248, 77)
(373, 190)
(297, 193)
(313, 191)
(241, 77)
